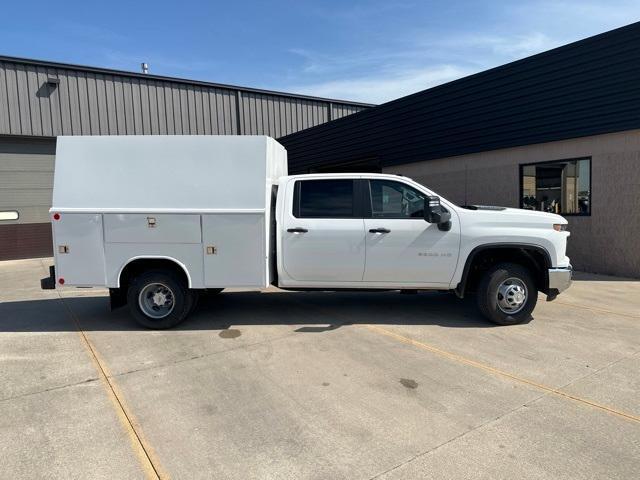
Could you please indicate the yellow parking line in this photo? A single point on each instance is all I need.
(147, 458)
(495, 371)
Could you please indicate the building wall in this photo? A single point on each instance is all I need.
(89, 101)
(605, 242)
(589, 87)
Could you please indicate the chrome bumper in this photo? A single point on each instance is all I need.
(559, 279)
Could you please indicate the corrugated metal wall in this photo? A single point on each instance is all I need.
(95, 102)
(585, 88)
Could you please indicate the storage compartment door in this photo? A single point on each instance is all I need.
(79, 249)
(234, 250)
(151, 228)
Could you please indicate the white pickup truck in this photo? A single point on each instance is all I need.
(160, 219)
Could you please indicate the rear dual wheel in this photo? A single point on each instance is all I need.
(159, 299)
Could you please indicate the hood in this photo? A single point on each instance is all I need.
(514, 214)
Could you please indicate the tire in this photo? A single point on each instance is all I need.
(178, 299)
(500, 294)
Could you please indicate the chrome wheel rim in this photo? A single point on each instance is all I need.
(512, 295)
(156, 300)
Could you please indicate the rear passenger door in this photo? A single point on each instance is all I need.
(323, 232)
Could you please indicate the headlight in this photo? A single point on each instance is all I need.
(560, 227)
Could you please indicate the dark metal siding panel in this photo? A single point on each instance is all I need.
(34, 104)
(245, 118)
(53, 99)
(119, 92)
(92, 104)
(23, 100)
(200, 116)
(206, 111)
(83, 103)
(226, 102)
(191, 111)
(177, 110)
(13, 104)
(127, 102)
(108, 120)
(263, 119)
(585, 88)
(169, 112)
(136, 94)
(282, 117)
(217, 108)
(65, 103)
(184, 110)
(4, 102)
(101, 105)
(145, 108)
(158, 109)
(43, 97)
(74, 106)
(230, 101)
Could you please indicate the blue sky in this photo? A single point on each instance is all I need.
(371, 51)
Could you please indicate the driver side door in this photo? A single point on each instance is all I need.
(401, 247)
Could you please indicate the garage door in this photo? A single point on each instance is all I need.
(26, 182)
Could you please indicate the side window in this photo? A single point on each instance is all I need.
(391, 199)
(324, 199)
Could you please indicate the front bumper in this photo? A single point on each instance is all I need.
(559, 280)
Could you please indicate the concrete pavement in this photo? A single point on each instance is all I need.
(318, 385)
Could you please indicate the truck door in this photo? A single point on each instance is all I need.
(323, 238)
(401, 247)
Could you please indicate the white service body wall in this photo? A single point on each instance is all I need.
(200, 191)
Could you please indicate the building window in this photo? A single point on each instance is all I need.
(324, 199)
(562, 187)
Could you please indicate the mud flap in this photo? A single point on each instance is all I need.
(49, 283)
(117, 298)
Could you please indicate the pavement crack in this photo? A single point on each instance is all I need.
(598, 370)
(50, 389)
(461, 435)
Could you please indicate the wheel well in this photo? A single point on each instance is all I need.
(535, 259)
(141, 265)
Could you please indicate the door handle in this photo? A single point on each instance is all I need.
(297, 230)
(379, 230)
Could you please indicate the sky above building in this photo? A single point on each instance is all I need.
(370, 51)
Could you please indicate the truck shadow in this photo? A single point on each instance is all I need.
(311, 312)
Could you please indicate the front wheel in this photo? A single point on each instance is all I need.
(507, 294)
(159, 299)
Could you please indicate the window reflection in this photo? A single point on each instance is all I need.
(391, 199)
(562, 187)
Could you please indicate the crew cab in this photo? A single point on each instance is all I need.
(160, 219)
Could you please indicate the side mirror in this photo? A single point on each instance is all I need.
(434, 213)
